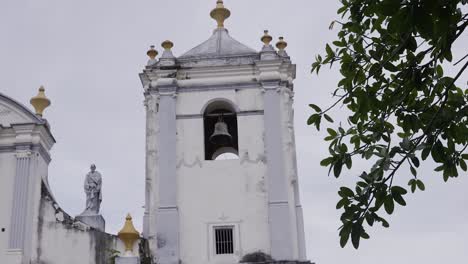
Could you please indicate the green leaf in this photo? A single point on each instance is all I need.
(399, 199)
(438, 153)
(399, 190)
(328, 118)
(420, 185)
(413, 171)
(346, 192)
(415, 161)
(425, 153)
(440, 71)
(329, 51)
(463, 165)
(389, 205)
(332, 132)
(315, 107)
(356, 235)
(344, 234)
(389, 7)
(370, 219)
(412, 184)
(344, 239)
(339, 44)
(342, 9)
(342, 203)
(337, 168)
(326, 161)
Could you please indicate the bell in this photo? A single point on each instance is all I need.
(221, 134)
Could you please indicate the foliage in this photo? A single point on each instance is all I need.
(113, 254)
(145, 252)
(403, 107)
(255, 257)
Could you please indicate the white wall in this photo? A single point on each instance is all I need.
(7, 172)
(61, 240)
(221, 192)
(50, 235)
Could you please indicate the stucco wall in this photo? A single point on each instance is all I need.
(7, 172)
(61, 240)
(36, 230)
(221, 192)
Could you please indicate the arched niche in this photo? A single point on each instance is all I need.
(215, 111)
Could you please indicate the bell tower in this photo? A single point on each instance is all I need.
(221, 176)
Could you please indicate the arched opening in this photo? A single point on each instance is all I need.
(220, 127)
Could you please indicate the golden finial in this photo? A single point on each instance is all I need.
(152, 53)
(40, 101)
(281, 44)
(266, 38)
(220, 13)
(128, 234)
(167, 45)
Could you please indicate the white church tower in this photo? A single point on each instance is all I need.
(221, 174)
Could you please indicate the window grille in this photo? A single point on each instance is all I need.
(224, 241)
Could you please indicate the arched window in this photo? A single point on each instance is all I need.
(220, 126)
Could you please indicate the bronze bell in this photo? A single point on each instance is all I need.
(221, 134)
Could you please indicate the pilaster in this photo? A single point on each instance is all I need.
(151, 105)
(167, 216)
(279, 209)
(20, 199)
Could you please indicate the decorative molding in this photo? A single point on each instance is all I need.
(39, 148)
(4, 112)
(241, 113)
(182, 162)
(23, 154)
(220, 87)
(245, 158)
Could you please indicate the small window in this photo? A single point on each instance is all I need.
(224, 240)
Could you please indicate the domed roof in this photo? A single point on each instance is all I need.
(220, 44)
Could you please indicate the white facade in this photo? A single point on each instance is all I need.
(189, 196)
(25, 141)
(33, 228)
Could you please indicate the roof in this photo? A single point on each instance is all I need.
(22, 111)
(220, 44)
(14, 113)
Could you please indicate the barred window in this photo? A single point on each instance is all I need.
(224, 241)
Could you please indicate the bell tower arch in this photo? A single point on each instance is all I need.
(220, 129)
(221, 99)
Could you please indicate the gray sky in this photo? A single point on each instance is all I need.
(88, 55)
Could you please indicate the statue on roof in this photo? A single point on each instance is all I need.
(93, 190)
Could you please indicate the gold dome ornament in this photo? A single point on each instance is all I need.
(266, 39)
(40, 102)
(129, 235)
(281, 44)
(152, 53)
(167, 45)
(220, 13)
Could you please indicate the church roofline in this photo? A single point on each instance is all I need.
(23, 108)
(36, 120)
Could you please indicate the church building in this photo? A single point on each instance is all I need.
(221, 174)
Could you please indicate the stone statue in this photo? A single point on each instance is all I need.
(92, 188)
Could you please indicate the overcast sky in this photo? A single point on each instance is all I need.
(88, 55)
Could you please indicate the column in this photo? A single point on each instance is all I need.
(20, 199)
(167, 218)
(279, 212)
